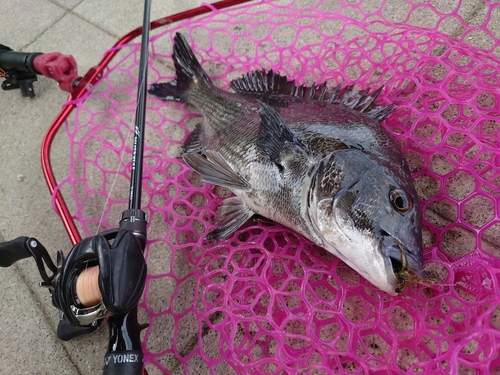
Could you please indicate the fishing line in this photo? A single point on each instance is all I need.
(87, 281)
(86, 287)
(118, 170)
(142, 74)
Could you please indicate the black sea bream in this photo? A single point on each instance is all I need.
(314, 159)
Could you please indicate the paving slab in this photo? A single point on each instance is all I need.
(86, 43)
(25, 21)
(67, 4)
(29, 345)
(119, 23)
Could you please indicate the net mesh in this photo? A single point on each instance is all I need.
(267, 301)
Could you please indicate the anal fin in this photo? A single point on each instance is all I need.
(234, 213)
(214, 169)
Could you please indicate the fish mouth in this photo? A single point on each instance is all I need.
(405, 267)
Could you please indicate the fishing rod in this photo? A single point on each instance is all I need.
(103, 276)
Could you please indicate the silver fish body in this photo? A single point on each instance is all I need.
(314, 159)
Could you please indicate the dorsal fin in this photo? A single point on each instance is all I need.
(270, 85)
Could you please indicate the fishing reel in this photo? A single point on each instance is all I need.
(102, 275)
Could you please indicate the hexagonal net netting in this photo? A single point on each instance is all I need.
(267, 301)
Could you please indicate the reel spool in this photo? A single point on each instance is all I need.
(87, 287)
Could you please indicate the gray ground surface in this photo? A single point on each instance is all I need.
(84, 29)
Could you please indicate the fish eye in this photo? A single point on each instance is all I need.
(399, 200)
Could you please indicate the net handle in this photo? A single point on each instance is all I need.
(87, 82)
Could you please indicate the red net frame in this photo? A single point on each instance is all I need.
(266, 300)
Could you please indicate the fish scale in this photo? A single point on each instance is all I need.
(314, 159)
(234, 135)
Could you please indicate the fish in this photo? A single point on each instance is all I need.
(312, 158)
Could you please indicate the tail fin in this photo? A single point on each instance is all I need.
(188, 70)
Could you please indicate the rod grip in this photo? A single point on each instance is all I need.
(128, 362)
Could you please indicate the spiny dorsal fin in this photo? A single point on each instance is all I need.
(268, 85)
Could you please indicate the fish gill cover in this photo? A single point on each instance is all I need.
(267, 301)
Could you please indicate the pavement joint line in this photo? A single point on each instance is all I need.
(97, 26)
(459, 32)
(475, 11)
(68, 9)
(44, 315)
(46, 29)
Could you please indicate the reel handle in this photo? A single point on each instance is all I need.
(24, 247)
(12, 251)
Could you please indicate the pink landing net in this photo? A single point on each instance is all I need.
(266, 301)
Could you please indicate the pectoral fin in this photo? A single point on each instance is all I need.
(193, 141)
(273, 133)
(276, 140)
(234, 213)
(214, 169)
